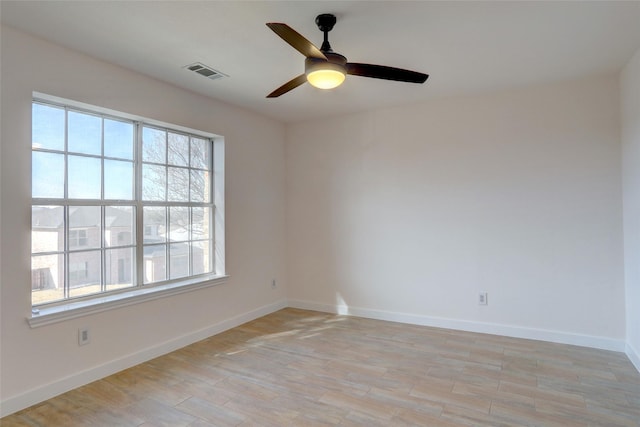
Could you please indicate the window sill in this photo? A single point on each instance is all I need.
(72, 310)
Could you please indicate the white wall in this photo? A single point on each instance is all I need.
(38, 362)
(630, 112)
(408, 213)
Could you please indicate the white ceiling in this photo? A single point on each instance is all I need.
(465, 47)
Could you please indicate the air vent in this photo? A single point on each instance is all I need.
(206, 71)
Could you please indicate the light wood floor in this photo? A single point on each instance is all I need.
(304, 368)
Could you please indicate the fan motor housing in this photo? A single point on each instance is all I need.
(335, 61)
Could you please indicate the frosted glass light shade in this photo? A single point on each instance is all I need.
(325, 78)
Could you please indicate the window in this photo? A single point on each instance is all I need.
(119, 204)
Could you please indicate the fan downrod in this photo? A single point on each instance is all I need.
(325, 23)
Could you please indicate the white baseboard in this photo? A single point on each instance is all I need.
(469, 326)
(633, 355)
(47, 391)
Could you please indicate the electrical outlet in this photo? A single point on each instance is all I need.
(83, 336)
(273, 284)
(483, 298)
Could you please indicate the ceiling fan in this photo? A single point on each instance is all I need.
(327, 69)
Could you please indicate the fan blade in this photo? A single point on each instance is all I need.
(296, 40)
(387, 73)
(290, 85)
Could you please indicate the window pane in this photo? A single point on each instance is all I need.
(84, 227)
(179, 255)
(200, 153)
(153, 182)
(47, 127)
(47, 175)
(178, 149)
(178, 184)
(200, 186)
(155, 259)
(155, 224)
(178, 223)
(47, 229)
(120, 271)
(201, 256)
(105, 164)
(154, 145)
(119, 226)
(84, 177)
(85, 273)
(118, 139)
(201, 223)
(118, 180)
(47, 278)
(84, 133)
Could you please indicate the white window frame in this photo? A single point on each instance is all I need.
(72, 308)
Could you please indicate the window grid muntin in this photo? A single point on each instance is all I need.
(189, 242)
(136, 203)
(65, 152)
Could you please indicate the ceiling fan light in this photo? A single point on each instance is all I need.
(324, 74)
(325, 79)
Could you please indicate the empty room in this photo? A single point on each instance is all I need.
(312, 213)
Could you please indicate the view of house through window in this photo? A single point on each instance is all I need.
(116, 204)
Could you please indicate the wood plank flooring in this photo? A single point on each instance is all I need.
(304, 368)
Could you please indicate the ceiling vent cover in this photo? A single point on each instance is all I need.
(205, 70)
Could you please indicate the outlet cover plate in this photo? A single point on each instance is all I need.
(83, 336)
(483, 298)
